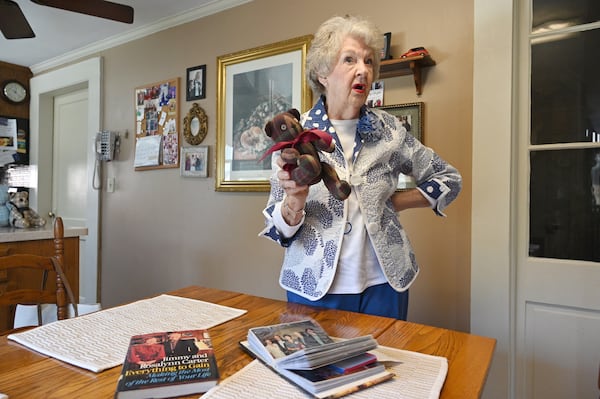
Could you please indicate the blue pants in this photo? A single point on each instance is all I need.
(378, 300)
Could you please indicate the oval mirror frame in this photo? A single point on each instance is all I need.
(195, 125)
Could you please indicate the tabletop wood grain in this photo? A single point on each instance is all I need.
(26, 374)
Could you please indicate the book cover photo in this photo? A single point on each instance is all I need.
(168, 364)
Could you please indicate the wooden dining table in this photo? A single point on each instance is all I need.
(27, 374)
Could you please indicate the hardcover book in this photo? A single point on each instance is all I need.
(304, 354)
(168, 364)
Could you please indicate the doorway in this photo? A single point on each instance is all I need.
(45, 89)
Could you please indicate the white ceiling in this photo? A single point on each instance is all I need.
(61, 33)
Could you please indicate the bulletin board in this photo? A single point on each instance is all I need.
(157, 127)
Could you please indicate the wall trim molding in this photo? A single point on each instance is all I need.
(205, 10)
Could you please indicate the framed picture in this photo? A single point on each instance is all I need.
(375, 98)
(194, 161)
(253, 86)
(411, 116)
(196, 83)
(385, 51)
(8, 135)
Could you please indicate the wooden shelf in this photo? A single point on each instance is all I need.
(406, 66)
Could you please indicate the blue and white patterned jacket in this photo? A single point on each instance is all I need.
(383, 150)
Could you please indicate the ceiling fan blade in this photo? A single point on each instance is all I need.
(96, 8)
(13, 23)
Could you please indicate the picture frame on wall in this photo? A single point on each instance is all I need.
(385, 50)
(253, 86)
(194, 161)
(411, 116)
(8, 134)
(196, 83)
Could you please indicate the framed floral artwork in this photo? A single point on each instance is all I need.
(253, 86)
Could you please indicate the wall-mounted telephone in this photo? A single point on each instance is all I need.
(106, 145)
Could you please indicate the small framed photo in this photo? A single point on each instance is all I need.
(385, 51)
(194, 161)
(196, 83)
(411, 116)
(375, 98)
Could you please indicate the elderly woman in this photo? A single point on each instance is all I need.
(354, 254)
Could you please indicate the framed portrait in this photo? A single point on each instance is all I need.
(253, 86)
(411, 116)
(196, 83)
(194, 161)
(385, 51)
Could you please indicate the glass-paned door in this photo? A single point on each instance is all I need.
(558, 247)
(565, 129)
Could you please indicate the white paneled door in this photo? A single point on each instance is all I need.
(65, 117)
(69, 167)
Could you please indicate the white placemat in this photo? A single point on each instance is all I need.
(418, 376)
(98, 341)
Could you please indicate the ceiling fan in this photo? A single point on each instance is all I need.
(14, 25)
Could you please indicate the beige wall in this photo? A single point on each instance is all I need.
(161, 231)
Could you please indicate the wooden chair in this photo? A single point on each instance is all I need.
(28, 280)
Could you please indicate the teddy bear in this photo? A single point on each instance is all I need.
(299, 150)
(20, 214)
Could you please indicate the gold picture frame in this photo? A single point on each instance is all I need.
(252, 86)
(195, 125)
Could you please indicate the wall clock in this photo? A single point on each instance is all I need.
(14, 91)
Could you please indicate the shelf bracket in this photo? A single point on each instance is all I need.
(416, 70)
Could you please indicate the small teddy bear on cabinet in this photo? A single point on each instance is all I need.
(20, 214)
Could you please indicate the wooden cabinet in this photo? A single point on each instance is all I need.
(43, 247)
(406, 66)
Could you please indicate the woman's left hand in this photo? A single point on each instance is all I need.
(295, 195)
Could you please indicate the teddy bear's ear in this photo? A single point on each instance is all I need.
(269, 128)
(295, 113)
